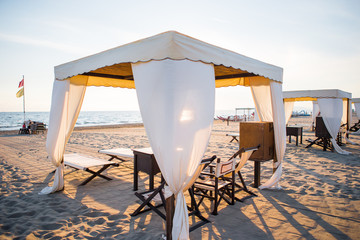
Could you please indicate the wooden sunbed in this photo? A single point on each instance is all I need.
(234, 136)
(119, 153)
(81, 162)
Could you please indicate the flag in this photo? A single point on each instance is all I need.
(20, 93)
(21, 83)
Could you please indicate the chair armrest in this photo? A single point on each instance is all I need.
(208, 174)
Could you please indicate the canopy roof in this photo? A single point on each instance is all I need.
(355, 100)
(313, 95)
(113, 67)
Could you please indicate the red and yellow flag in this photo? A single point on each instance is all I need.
(21, 83)
(20, 93)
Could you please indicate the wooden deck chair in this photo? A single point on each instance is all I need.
(194, 209)
(244, 155)
(355, 127)
(215, 186)
(153, 199)
(81, 162)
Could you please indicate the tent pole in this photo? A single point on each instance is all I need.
(170, 209)
(24, 97)
(275, 160)
(348, 113)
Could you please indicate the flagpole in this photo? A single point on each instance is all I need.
(24, 97)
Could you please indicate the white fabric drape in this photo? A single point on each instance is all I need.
(330, 109)
(288, 106)
(260, 89)
(177, 101)
(268, 100)
(344, 117)
(65, 107)
(316, 111)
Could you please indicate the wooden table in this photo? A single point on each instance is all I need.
(257, 171)
(295, 131)
(144, 160)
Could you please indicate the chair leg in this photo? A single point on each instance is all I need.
(226, 191)
(96, 174)
(233, 189)
(244, 185)
(196, 212)
(215, 212)
(147, 202)
(203, 194)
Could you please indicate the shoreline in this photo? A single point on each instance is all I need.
(96, 127)
(82, 128)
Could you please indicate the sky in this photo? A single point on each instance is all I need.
(316, 42)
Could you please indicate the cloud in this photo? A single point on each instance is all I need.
(41, 43)
(60, 26)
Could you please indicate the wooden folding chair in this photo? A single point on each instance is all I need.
(215, 186)
(153, 199)
(147, 197)
(244, 155)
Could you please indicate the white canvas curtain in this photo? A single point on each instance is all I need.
(177, 101)
(268, 100)
(66, 103)
(330, 109)
(288, 106)
(316, 111)
(345, 113)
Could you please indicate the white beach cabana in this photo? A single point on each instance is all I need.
(334, 106)
(175, 76)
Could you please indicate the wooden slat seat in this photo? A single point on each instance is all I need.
(82, 162)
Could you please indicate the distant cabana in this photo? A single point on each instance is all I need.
(355, 129)
(175, 78)
(356, 102)
(248, 113)
(334, 106)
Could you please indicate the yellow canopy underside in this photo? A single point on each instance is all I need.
(299, 99)
(122, 83)
(302, 99)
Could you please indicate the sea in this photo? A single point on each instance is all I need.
(14, 120)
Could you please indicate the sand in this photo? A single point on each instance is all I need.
(319, 199)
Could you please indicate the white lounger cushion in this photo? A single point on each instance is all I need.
(120, 152)
(82, 162)
(125, 152)
(233, 134)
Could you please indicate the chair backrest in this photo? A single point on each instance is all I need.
(223, 168)
(245, 155)
(203, 164)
